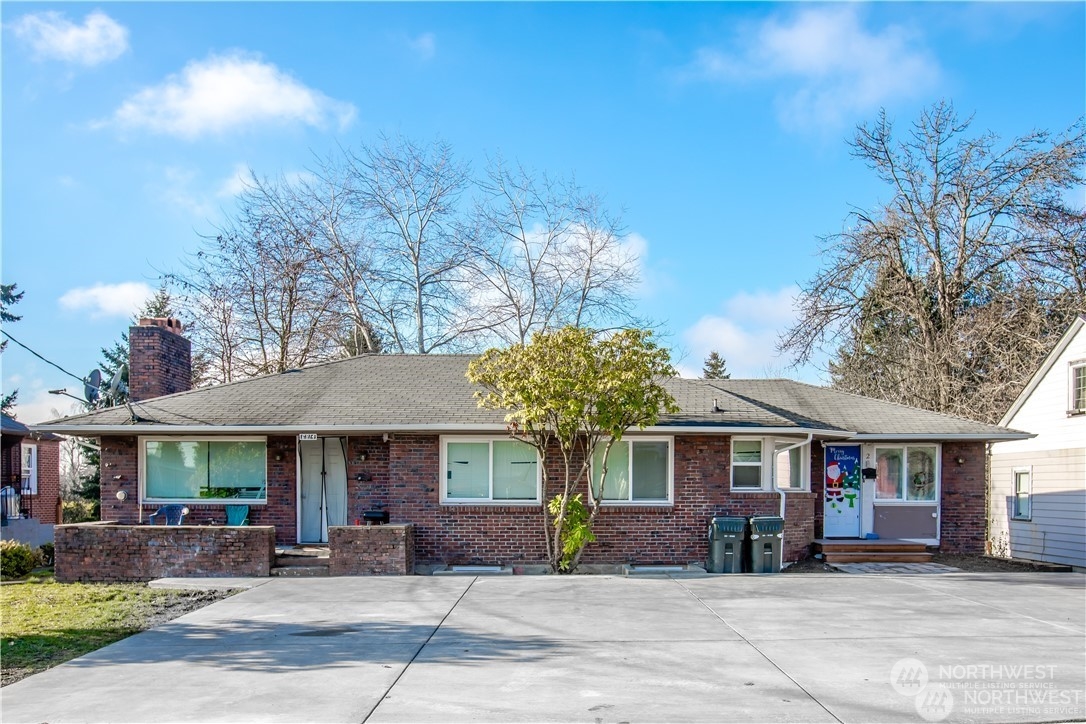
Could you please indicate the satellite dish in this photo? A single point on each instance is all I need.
(92, 385)
(117, 388)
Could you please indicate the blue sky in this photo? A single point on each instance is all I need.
(717, 129)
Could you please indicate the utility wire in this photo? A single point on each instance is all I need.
(8, 335)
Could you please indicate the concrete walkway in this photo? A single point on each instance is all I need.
(925, 569)
(803, 648)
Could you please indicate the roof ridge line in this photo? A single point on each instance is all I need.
(896, 404)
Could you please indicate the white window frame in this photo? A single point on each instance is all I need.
(490, 500)
(904, 447)
(142, 442)
(804, 462)
(669, 500)
(1015, 515)
(28, 477)
(766, 476)
(1073, 367)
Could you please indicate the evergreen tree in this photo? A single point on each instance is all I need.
(715, 368)
(8, 298)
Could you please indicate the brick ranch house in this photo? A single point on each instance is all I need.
(319, 446)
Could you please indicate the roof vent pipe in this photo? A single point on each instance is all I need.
(716, 406)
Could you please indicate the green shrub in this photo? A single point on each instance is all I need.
(16, 559)
(46, 554)
(79, 511)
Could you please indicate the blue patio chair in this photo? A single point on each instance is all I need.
(172, 514)
(237, 515)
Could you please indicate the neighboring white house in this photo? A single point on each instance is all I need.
(1038, 487)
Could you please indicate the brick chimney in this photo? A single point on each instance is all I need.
(159, 359)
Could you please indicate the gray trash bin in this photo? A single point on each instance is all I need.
(726, 544)
(766, 537)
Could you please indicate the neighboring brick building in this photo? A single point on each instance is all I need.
(316, 448)
(30, 464)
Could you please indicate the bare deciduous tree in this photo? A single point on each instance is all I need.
(408, 196)
(256, 295)
(947, 296)
(379, 250)
(546, 255)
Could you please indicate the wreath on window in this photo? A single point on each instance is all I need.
(921, 483)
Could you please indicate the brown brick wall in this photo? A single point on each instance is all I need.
(962, 520)
(44, 504)
(818, 487)
(119, 463)
(799, 526)
(10, 464)
(159, 359)
(646, 535)
(403, 477)
(380, 550)
(120, 457)
(103, 553)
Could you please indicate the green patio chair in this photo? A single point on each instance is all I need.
(237, 515)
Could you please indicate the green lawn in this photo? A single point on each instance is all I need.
(45, 623)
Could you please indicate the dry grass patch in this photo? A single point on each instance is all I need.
(45, 623)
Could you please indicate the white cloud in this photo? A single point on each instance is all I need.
(52, 36)
(177, 189)
(236, 183)
(35, 404)
(831, 67)
(745, 335)
(652, 276)
(228, 92)
(424, 46)
(108, 300)
(242, 179)
(765, 309)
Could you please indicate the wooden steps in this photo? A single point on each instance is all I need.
(301, 562)
(872, 551)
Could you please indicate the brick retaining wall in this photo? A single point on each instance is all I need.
(106, 552)
(379, 550)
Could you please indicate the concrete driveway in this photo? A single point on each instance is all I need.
(804, 648)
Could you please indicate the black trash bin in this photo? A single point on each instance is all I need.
(726, 544)
(766, 538)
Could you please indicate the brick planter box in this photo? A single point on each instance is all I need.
(378, 550)
(106, 552)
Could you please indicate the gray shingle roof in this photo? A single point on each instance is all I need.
(416, 391)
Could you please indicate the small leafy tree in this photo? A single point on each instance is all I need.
(567, 393)
(715, 368)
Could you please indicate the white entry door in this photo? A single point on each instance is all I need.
(322, 488)
(842, 496)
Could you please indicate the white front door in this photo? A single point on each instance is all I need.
(322, 488)
(842, 496)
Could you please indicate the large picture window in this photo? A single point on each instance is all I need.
(638, 471)
(482, 471)
(907, 473)
(194, 470)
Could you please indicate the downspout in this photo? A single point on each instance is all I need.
(780, 490)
